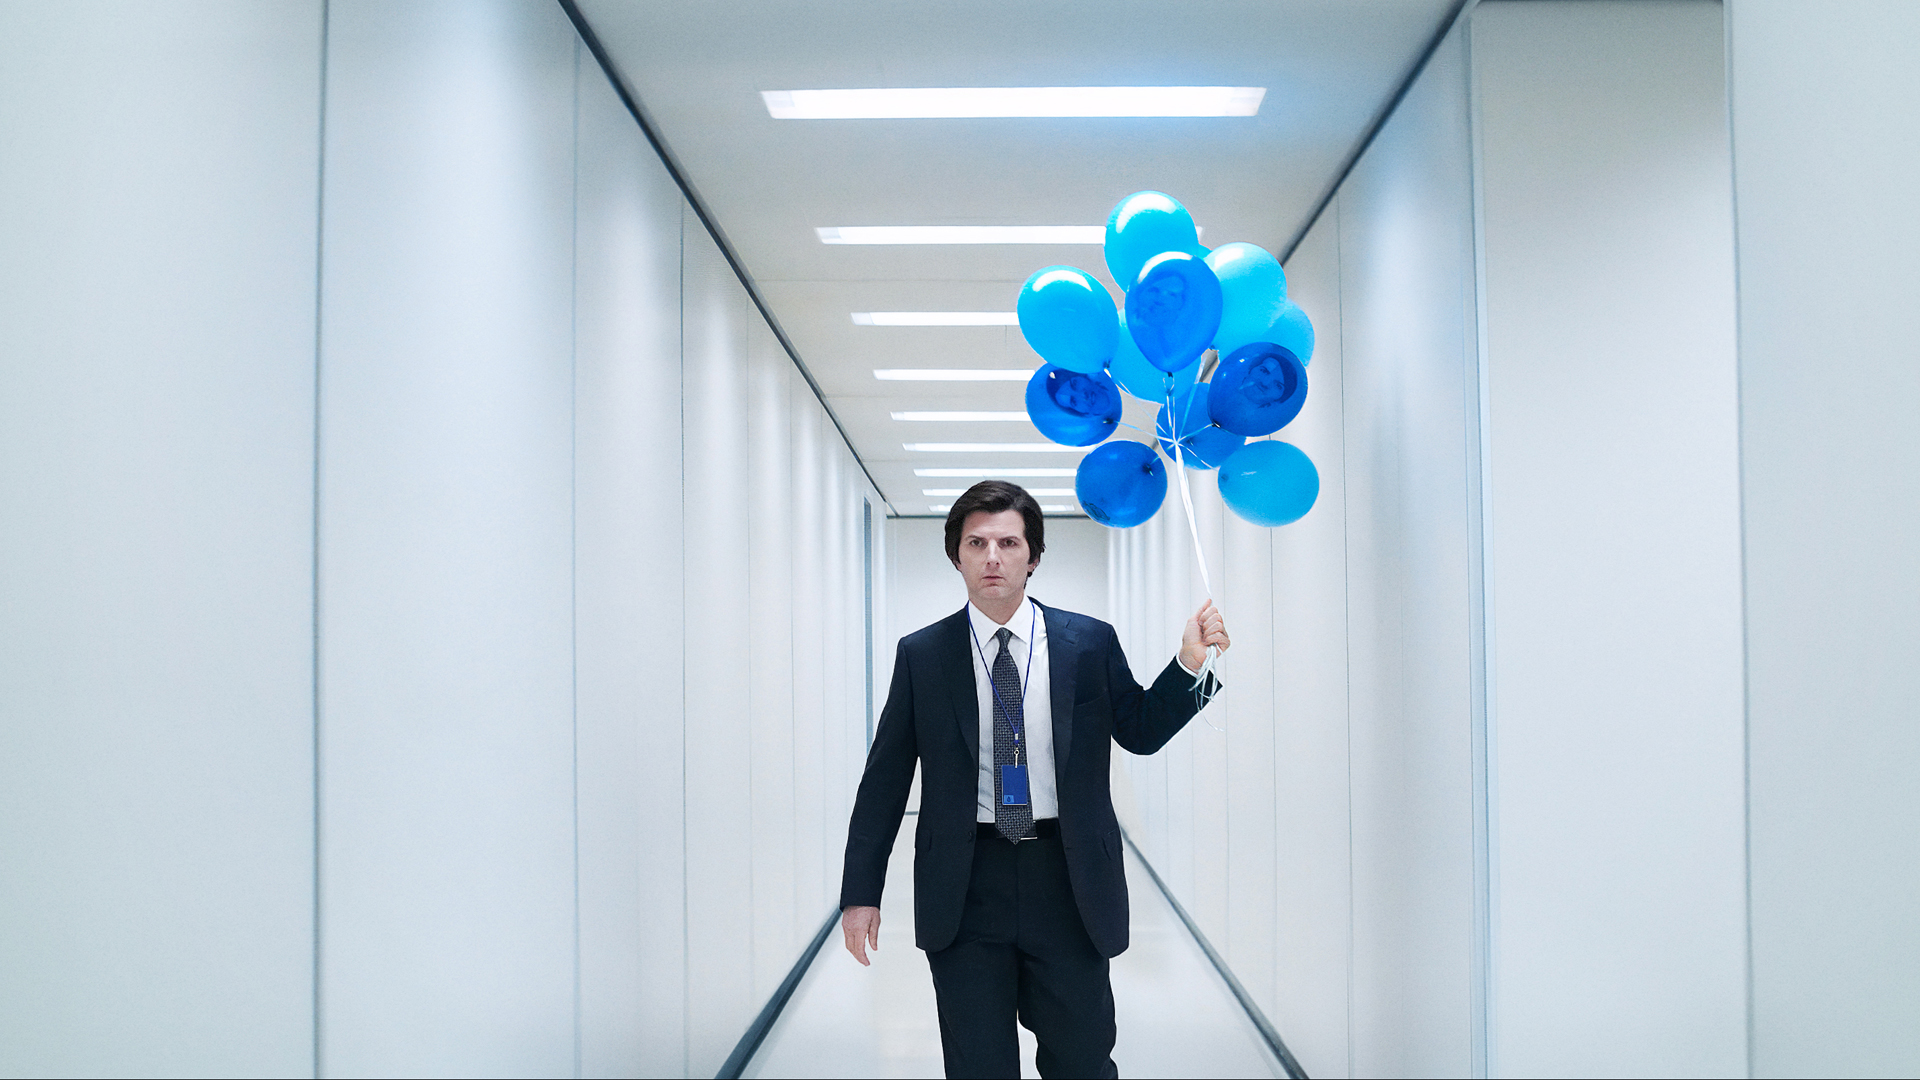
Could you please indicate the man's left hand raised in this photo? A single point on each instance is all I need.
(1205, 628)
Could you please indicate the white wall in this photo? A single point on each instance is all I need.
(1825, 149)
(1312, 875)
(445, 592)
(569, 489)
(629, 609)
(158, 205)
(1409, 346)
(1475, 806)
(1613, 532)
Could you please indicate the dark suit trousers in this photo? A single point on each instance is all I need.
(1023, 952)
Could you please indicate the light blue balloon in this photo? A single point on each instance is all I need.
(1289, 328)
(1067, 317)
(1073, 407)
(1204, 444)
(1293, 331)
(1141, 379)
(1173, 310)
(1269, 483)
(1143, 225)
(1252, 288)
(1121, 484)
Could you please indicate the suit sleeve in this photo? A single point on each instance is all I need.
(1144, 720)
(882, 799)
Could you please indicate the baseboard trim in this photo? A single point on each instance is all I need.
(749, 1043)
(1260, 1021)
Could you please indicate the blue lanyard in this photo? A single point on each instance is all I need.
(1033, 616)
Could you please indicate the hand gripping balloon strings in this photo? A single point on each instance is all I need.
(1211, 665)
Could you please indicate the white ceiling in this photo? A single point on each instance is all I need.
(698, 69)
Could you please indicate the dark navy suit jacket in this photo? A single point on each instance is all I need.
(932, 716)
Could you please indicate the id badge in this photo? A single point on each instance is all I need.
(1013, 785)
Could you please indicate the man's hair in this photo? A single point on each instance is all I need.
(991, 497)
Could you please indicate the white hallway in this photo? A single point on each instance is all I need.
(451, 542)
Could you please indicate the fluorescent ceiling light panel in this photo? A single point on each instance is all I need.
(953, 374)
(961, 473)
(936, 318)
(992, 448)
(941, 508)
(963, 102)
(1038, 493)
(963, 417)
(964, 234)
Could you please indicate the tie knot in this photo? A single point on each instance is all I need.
(1003, 636)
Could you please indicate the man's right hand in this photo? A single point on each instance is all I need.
(861, 926)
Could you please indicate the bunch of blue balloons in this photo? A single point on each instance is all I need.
(1182, 300)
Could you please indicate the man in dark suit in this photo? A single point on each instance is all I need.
(1020, 897)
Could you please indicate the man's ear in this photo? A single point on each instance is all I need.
(1032, 566)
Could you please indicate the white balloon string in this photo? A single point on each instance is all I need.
(1211, 665)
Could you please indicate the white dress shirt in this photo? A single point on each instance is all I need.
(1036, 711)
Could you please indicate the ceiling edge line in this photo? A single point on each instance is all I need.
(1373, 129)
(672, 165)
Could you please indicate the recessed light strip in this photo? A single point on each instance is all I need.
(964, 234)
(963, 417)
(984, 473)
(970, 102)
(936, 318)
(941, 508)
(1037, 492)
(953, 374)
(992, 448)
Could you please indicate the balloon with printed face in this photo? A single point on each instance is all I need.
(1121, 484)
(1289, 328)
(1269, 483)
(1252, 288)
(1067, 317)
(1173, 309)
(1073, 407)
(1203, 443)
(1143, 225)
(1257, 390)
(1141, 379)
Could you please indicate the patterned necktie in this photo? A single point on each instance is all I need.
(1014, 822)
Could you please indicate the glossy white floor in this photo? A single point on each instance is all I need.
(1176, 1016)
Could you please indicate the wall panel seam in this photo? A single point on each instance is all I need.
(573, 542)
(319, 300)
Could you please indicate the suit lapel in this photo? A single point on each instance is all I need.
(1063, 663)
(956, 652)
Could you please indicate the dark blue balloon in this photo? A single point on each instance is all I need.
(1173, 309)
(1257, 390)
(1269, 483)
(1121, 484)
(1205, 444)
(1073, 407)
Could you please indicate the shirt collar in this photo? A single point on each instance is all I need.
(1024, 620)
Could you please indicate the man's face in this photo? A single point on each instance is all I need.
(1162, 297)
(994, 557)
(1266, 382)
(1078, 395)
